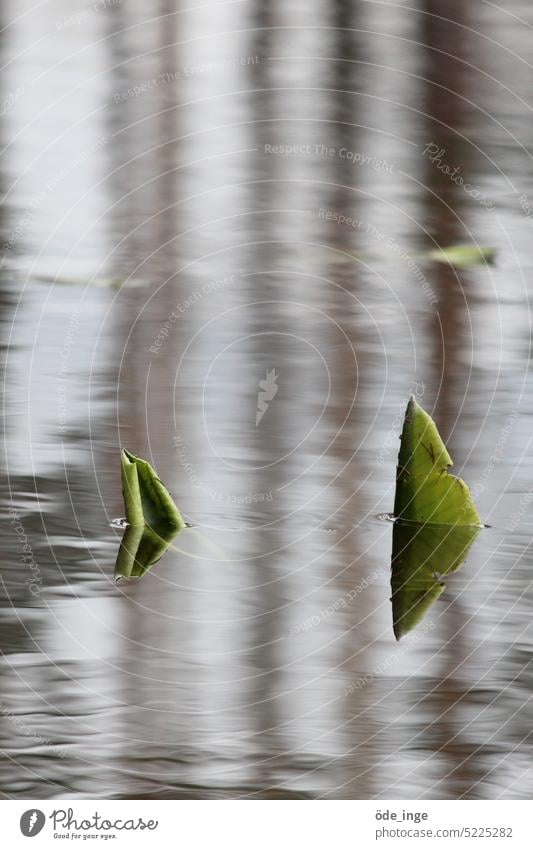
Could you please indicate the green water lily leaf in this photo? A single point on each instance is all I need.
(146, 498)
(421, 555)
(141, 547)
(462, 256)
(425, 491)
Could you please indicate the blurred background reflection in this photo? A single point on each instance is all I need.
(196, 200)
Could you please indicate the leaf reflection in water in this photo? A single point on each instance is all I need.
(141, 547)
(421, 555)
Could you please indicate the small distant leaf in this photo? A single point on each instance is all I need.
(420, 556)
(462, 256)
(425, 491)
(147, 500)
(141, 548)
(91, 282)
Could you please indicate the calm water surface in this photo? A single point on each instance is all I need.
(163, 251)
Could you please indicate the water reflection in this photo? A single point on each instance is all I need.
(421, 556)
(142, 547)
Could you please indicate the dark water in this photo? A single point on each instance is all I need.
(161, 257)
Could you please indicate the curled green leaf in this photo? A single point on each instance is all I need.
(147, 500)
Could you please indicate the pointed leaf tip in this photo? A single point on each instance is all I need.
(422, 450)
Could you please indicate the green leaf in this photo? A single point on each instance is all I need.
(462, 256)
(131, 490)
(147, 500)
(425, 491)
(91, 282)
(420, 556)
(141, 547)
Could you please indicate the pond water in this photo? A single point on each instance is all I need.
(216, 225)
